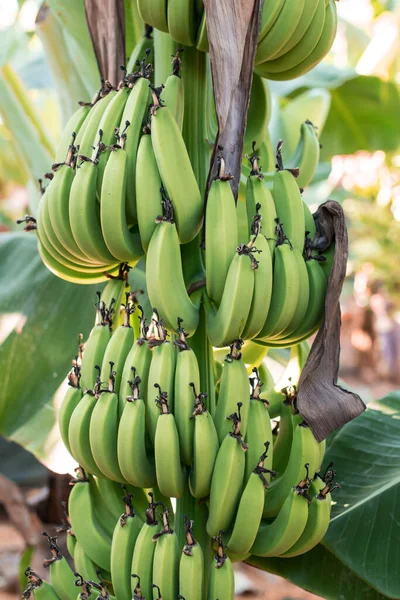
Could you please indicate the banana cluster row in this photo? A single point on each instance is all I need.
(295, 35)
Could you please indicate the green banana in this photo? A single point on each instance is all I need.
(173, 94)
(96, 344)
(319, 514)
(103, 431)
(123, 542)
(202, 37)
(176, 172)
(83, 564)
(135, 465)
(135, 112)
(306, 156)
(162, 372)
(285, 292)
(78, 431)
(148, 186)
(142, 559)
(136, 590)
(112, 496)
(103, 512)
(191, 566)
(250, 509)
(309, 223)
(61, 576)
(221, 233)
(276, 538)
(164, 278)
(144, 47)
(259, 430)
(281, 31)
(187, 374)
(41, 589)
(154, 13)
(309, 11)
(122, 242)
(166, 560)
(227, 479)
(73, 125)
(269, 15)
(205, 449)
(70, 402)
(302, 49)
(226, 325)
(234, 387)
(222, 579)
(90, 533)
(166, 450)
(182, 21)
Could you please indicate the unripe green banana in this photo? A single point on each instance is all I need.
(96, 344)
(221, 233)
(319, 514)
(61, 576)
(182, 21)
(154, 13)
(136, 467)
(250, 509)
(222, 579)
(173, 94)
(88, 132)
(306, 156)
(287, 527)
(134, 113)
(142, 560)
(166, 560)
(307, 17)
(202, 37)
(164, 279)
(161, 372)
(104, 514)
(176, 173)
(144, 47)
(259, 430)
(41, 589)
(166, 451)
(69, 403)
(281, 30)
(103, 431)
(269, 15)
(148, 186)
(123, 542)
(112, 495)
(84, 565)
(78, 431)
(234, 388)
(122, 242)
(191, 566)
(285, 293)
(226, 325)
(227, 479)
(205, 449)
(309, 222)
(73, 125)
(187, 374)
(95, 542)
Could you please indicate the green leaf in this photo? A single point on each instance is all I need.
(40, 319)
(318, 571)
(363, 116)
(365, 528)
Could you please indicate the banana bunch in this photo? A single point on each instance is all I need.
(295, 35)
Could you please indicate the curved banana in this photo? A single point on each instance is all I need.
(166, 560)
(226, 325)
(122, 242)
(285, 292)
(123, 543)
(164, 279)
(234, 388)
(227, 479)
(173, 94)
(250, 509)
(259, 430)
(222, 579)
(135, 112)
(61, 576)
(187, 375)
(166, 451)
(143, 553)
(269, 15)
(176, 172)
(144, 47)
(307, 17)
(70, 402)
(281, 31)
(148, 186)
(191, 566)
(155, 14)
(41, 589)
(84, 565)
(205, 449)
(135, 465)
(306, 156)
(96, 344)
(73, 125)
(103, 431)
(287, 527)
(182, 22)
(95, 542)
(221, 233)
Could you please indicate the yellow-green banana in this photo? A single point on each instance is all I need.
(289, 204)
(41, 589)
(191, 566)
(69, 403)
(222, 579)
(306, 156)
(173, 94)
(281, 31)
(182, 21)
(142, 559)
(96, 344)
(148, 189)
(154, 13)
(307, 17)
(61, 576)
(259, 430)
(166, 560)
(73, 125)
